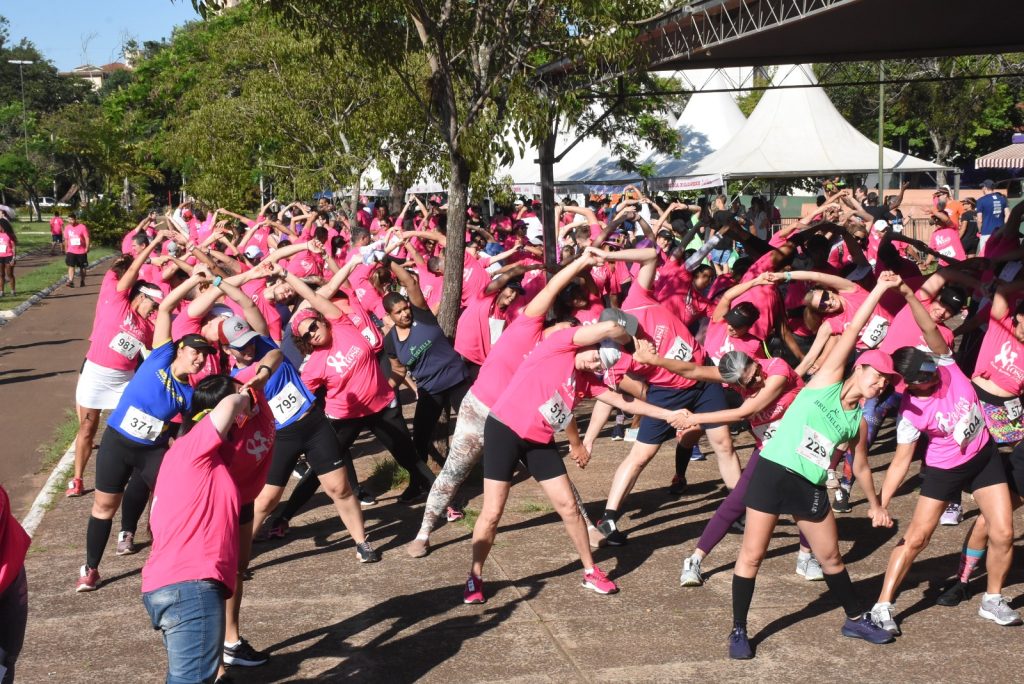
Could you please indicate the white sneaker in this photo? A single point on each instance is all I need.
(881, 615)
(809, 568)
(996, 609)
(953, 514)
(691, 576)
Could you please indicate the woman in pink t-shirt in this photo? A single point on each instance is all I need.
(940, 403)
(121, 330)
(76, 249)
(193, 564)
(8, 245)
(56, 233)
(536, 403)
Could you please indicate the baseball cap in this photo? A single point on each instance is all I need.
(953, 298)
(253, 252)
(626, 320)
(235, 332)
(878, 360)
(609, 353)
(988, 184)
(742, 315)
(518, 202)
(197, 342)
(880, 225)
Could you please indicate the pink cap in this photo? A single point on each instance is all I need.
(879, 360)
(299, 316)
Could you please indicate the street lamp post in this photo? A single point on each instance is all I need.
(24, 108)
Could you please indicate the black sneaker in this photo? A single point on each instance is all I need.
(224, 679)
(411, 494)
(739, 644)
(677, 486)
(366, 500)
(955, 594)
(244, 654)
(366, 554)
(611, 532)
(842, 501)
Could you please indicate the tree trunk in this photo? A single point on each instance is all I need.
(458, 196)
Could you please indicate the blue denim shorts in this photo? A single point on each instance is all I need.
(191, 617)
(720, 256)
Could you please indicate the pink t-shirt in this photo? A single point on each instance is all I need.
(361, 319)
(718, 342)
(479, 327)
(873, 332)
(508, 353)
(306, 265)
(252, 445)
(349, 370)
(951, 417)
(57, 226)
(6, 245)
(118, 333)
(75, 237)
(363, 289)
(946, 241)
(606, 279)
(474, 278)
(194, 518)
(903, 331)
(768, 302)
(432, 286)
(14, 543)
(538, 401)
(764, 422)
(999, 355)
(255, 290)
(667, 333)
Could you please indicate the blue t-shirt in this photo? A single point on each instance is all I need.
(990, 207)
(152, 399)
(288, 397)
(427, 353)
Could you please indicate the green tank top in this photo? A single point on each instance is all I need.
(809, 432)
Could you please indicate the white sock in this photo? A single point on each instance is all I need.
(228, 644)
(422, 537)
(803, 555)
(991, 597)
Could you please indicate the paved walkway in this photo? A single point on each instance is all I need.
(41, 353)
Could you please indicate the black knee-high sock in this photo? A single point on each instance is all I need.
(96, 536)
(841, 587)
(682, 459)
(742, 595)
(136, 495)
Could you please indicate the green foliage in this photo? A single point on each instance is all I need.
(107, 221)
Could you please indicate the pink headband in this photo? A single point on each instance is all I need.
(298, 317)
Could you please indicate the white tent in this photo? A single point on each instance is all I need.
(798, 132)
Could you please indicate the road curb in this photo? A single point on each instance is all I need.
(10, 314)
(50, 490)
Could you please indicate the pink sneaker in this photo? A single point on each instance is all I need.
(88, 579)
(595, 580)
(454, 513)
(75, 487)
(474, 592)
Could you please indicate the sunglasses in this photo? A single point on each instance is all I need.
(823, 302)
(754, 377)
(310, 331)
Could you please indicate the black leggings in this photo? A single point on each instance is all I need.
(428, 409)
(389, 427)
(13, 619)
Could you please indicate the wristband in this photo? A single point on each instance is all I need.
(217, 281)
(266, 368)
(788, 276)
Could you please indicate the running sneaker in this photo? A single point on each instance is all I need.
(367, 500)
(955, 594)
(740, 524)
(739, 644)
(953, 514)
(863, 628)
(597, 539)
(410, 495)
(474, 591)
(678, 486)
(697, 454)
(996, 609)
(366, 554)
(418, 548)
(595, 580)
(881, 615)
(618, 432)
(75, 487)
(243, 654)
(809, 568)
(841, 504)
(454, 513)
(612, 535)
(125, 543)
(691, 576)
(224, 679)
(88, 579)
(273, 529)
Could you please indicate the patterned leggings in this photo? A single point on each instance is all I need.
(466, 447)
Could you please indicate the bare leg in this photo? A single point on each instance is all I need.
(486, 527)
(995, 505)
(559, 492)
(629, 471)
(728, 459)
(265, 504)
(919, 532)
(88, 422)
(335, 484)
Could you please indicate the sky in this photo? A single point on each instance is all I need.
(74, 32)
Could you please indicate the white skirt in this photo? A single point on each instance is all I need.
(100, 387)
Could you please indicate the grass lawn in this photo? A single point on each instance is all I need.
(36, 279)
